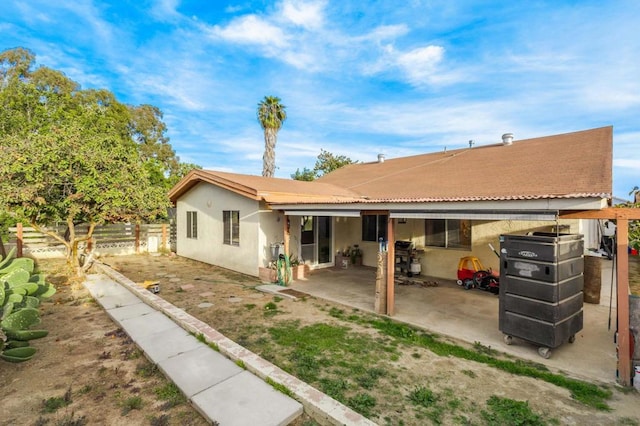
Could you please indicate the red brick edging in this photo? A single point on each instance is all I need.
(322, 408)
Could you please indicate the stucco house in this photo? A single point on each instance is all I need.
(448, 204)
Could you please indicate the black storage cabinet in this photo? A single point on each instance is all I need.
(541, 281)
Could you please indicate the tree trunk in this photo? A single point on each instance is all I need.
(70, 242)
(269, 157)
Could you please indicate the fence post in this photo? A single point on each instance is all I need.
(137, 244)
(164, 236)
(19, 239)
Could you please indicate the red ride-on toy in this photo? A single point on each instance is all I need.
(471, 274)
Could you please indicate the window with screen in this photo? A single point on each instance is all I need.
(374, 227)
(192, 224)
(448, 233)
(231, 219)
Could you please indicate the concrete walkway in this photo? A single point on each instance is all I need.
(211, 379)
(219, 389)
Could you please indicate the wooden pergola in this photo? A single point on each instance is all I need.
(622, 216)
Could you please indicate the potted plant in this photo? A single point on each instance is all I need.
(356, 255)
(299, 270)
(268, 274)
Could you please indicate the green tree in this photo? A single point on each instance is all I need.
(271, 115)
(326, 162)
(68, 155)
(306, 175)
(149, 132)
(181, 171)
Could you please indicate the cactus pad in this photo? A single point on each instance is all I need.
(9, 258)
(21, 320)
(30, 288)
(45, 291)
(24, 335)
(15, 277)
(18, 354)
(21, 263)
(16, 344)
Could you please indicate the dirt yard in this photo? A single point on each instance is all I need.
(399, 384)
(86, 371)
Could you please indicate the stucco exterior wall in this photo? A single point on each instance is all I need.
(441, 262)
(348, 233)
(271, 231)
(210, 201)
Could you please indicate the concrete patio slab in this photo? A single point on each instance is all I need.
(169, 343)
(241, 401)
(472, 316)
(274, 289)
(199, 369)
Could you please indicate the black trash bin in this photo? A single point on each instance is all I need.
(541, 282)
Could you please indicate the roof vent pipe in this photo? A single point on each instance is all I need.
(507, 139)
(380, 158)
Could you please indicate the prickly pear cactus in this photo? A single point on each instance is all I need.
(20, 295)
(18, 354)
(45, 291)
(24, 263)
(29, 288)
(21, 320)
(15, 277)
(9, 258)
(25, 335)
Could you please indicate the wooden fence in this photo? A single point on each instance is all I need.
(109, 239)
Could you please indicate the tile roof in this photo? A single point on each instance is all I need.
(571, 165)
(271, 190)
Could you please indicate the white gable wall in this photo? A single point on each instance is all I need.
(271, 231)
(210, 201)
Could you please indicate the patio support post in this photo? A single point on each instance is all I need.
(622, 277)
(391, 267)
(287, 234)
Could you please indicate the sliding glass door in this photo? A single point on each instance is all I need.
(316, 242)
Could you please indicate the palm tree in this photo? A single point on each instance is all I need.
(271, 115)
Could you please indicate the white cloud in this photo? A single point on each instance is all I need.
(251, 29)
(383, 32)
(627, 163)
(166, 10)
(308, 15)
(420, 64)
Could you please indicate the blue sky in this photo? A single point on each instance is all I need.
(357, 77)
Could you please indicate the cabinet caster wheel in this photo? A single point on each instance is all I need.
(508, 340)
(544, 352)
(572, 338)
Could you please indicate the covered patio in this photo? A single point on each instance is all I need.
(472, 316)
